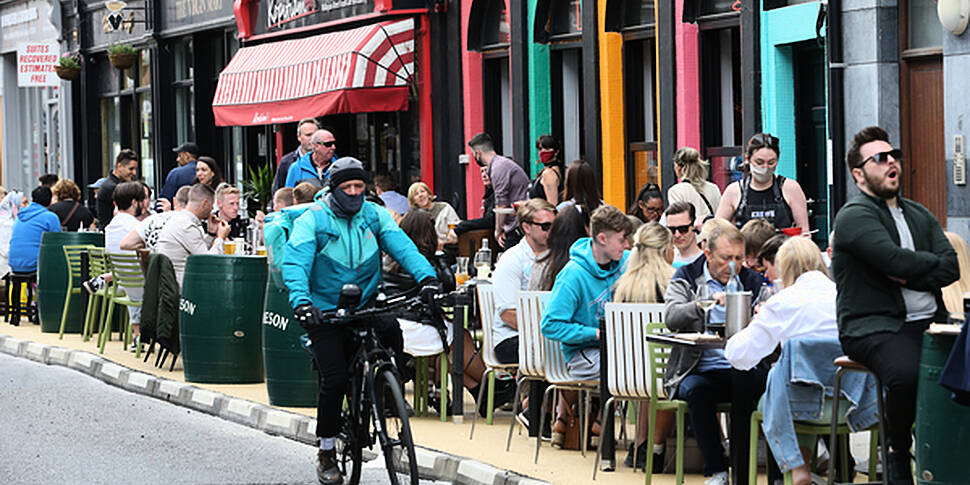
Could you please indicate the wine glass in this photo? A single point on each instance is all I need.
(705, 300)
(767, 291)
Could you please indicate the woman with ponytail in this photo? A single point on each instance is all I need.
(548, 182)
(645, 280)
(694, 188)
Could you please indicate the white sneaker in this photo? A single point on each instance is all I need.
(720, 478)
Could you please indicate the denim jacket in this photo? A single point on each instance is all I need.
(797, 388)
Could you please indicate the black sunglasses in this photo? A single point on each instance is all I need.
(762, 140)
(883, 157)
(328, 144)
(543, 225)
(681, 229)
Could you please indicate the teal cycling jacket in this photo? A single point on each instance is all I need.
(325, 252)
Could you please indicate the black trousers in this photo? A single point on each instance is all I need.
(894, 357)
(333, 350)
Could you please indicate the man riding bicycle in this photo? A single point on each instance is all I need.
(338, 241)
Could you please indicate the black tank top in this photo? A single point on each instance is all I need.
(537, 190)
(766, 204)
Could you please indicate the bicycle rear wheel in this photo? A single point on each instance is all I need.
(395, 432)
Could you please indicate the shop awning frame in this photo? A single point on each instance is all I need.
(369, 68)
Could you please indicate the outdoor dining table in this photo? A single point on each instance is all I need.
(739, 418)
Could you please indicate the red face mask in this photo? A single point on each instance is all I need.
(546, 157)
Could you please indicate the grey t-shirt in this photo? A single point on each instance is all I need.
(920, 305)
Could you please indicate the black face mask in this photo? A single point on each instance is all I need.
(344, 205)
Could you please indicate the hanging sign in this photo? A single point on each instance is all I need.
(35, 64)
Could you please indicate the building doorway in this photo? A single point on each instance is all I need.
(808, 73)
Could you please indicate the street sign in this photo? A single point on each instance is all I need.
(35, 64)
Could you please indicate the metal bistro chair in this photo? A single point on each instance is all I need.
(97, 265)
(659, 354)
(559, 380)
(631, 363)
(845, 364)
(72, 255)
(531, 351)
(486, 305)
(126, 273)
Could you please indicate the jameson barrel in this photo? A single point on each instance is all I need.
(52, 276)
(290, 378)
(941, 425)
(220, 314)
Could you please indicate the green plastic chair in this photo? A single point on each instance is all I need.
(126, 273)
(659, 354)
(72, 253)
(815, 428)
(422, 373)
(98, 302)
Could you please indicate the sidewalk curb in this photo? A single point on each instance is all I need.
(432, 464)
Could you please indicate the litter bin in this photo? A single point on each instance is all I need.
(941, 425)
(52, 275)
(219, 318)
(290, 378)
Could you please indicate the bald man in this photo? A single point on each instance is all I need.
(314, 166)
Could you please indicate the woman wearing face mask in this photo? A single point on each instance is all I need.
(761, 194)
(548, 182)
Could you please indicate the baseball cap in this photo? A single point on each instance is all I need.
(188, 146)
(97, 183)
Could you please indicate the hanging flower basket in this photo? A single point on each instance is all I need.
(68, 73)
(122, 61)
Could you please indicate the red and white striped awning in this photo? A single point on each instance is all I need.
(353, 71)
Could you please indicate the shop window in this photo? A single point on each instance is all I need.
(566, 76)
(110, 133)
(488, 27)
(184, 92)
(924, 27)
(640, 114)
(496, 101)
(565, 18)
(721, 100)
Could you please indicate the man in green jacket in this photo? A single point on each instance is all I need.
(890, 260)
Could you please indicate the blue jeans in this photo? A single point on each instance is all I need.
(703, 391)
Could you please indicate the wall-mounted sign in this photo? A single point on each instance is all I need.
(256, 17)
(35, 64)
(184, 13)
(19, 17)
(27, 22)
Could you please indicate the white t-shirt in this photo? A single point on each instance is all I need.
(511, 276)
(686, 192)
(150, 228)
(120, 226)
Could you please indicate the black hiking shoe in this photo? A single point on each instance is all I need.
(327, 471)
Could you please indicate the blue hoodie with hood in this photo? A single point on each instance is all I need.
(579, 297)
(31, 224)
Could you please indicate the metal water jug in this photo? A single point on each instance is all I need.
(737, 312)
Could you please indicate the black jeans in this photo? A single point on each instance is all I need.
(894, 357)
(333, 350)
(703, 391)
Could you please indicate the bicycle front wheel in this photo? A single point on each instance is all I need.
(395, 432)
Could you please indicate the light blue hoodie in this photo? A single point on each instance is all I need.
(579, 297)
(31, 224)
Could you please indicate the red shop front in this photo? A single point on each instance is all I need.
(360, 67)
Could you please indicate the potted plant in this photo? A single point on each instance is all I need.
(68, 67)
(122, 56)
(259, 187)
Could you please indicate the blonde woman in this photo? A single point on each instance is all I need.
(645, 280)
(953, 293)
(420, 197)
(694, 188)
(805, 308)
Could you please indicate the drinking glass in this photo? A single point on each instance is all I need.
(461, 275)
(767, 291)
(705, 300)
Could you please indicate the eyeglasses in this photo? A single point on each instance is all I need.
(686, 228)
(328, 144)
(654, 210)
(542, 225)
(883, 157)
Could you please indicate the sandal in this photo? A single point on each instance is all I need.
(559, 428)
